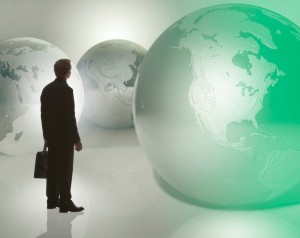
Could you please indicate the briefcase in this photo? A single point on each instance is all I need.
(40, 168)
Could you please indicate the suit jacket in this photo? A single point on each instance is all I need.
(58, 113)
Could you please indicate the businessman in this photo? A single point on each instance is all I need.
(61, 136)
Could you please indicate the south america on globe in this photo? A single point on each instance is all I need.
(216, 105)
(26, 66)
(108, 71)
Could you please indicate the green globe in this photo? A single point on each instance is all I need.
(217, 105)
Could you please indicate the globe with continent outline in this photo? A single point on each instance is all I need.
(26, 66)
(216, 105)
(108, 71)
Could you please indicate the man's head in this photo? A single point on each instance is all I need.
(62, 68)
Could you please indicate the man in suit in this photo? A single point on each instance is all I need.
(61, 136)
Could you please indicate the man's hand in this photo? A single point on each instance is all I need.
(78, 146)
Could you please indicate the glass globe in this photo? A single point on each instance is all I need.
(108, 71)
(216, 105)
(26, 66)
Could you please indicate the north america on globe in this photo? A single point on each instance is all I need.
(219, 92)
(246, 73)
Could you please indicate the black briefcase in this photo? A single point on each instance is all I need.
(40, 168)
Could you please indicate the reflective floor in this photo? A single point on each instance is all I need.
(123, 198)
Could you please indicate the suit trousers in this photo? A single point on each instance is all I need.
(59, 171)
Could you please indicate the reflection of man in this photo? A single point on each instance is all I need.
(61, 135)
(59, 225)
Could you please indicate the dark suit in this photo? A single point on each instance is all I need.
(60, 131)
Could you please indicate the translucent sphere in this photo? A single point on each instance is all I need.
(26, 66)
(108, 71)
(216, 105)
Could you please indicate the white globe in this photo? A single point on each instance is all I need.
(108, 71)
(26, 66)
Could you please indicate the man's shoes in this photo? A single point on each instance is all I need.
(53, 205)
(69, 206)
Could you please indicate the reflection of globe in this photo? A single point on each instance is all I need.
(26, 66)
(108, 71)
(217, 105)
(256, 224)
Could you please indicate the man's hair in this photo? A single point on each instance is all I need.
(62, 67)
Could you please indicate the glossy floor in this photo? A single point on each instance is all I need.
(124, 198)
